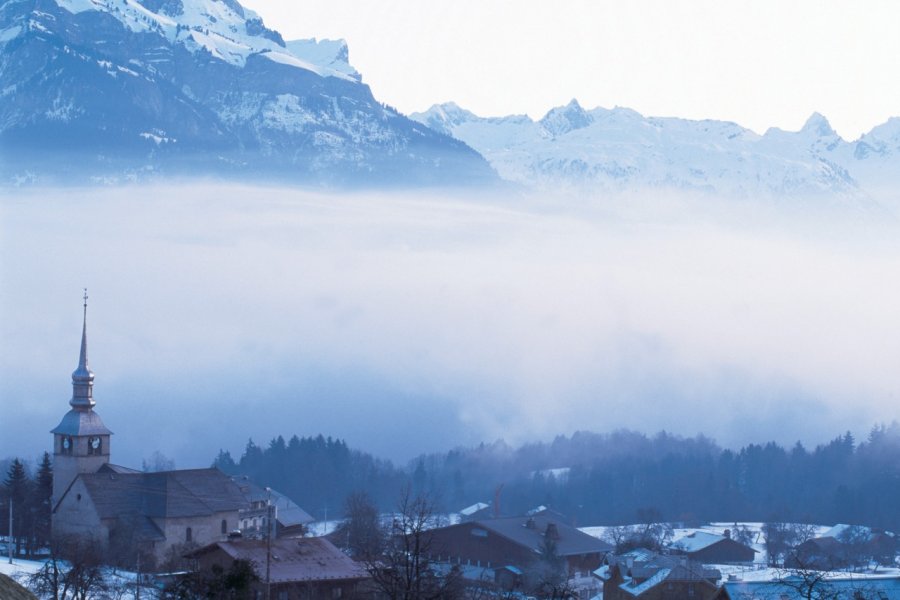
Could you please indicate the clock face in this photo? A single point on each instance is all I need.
(94, 442)
(66, 443)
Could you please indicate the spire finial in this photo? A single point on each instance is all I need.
(83, 378)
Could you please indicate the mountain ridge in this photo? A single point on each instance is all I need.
(620, 149)
(97, 89)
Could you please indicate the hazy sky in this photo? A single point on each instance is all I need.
(412, 323)
(760, 63)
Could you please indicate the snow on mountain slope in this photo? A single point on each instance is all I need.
(619, 149)
(137, 87)
(225, 29)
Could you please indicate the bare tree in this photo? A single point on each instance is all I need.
(361, 532)
(548, 576)
(73, 572)
(813, 584)
(404, 569)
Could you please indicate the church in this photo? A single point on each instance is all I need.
(160, 515)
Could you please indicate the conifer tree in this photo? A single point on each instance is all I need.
(41, 499)
(16, 485)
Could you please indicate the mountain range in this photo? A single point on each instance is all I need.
(97, 90)
(619, 149)
(117, 90)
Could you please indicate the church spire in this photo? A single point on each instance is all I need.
(82, 377)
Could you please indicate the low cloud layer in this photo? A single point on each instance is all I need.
(407, 323)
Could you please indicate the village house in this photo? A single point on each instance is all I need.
(264, 503)
(711, 548)
(298, 568)
(842, 546)
(649, 576)
(516, 542)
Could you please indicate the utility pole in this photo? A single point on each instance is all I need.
(137, 580)
(9, 540)
(269, 544)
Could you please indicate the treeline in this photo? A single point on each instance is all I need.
(607, 478)
(318, 473)
(30, 496)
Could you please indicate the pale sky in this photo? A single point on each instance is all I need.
(762, 63)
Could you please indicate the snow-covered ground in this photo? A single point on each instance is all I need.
(759, 570)
(124, 580)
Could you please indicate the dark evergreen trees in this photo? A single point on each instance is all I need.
(40, 502)
(16, 487)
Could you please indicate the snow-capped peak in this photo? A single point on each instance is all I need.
(566, 118)
(444, 117)
(224, 29)
(818, 125)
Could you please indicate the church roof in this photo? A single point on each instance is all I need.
(168, 494)
(81, 422)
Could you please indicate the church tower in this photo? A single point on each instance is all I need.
(81, 440)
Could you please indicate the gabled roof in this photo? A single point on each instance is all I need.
(530, 532)
(699, 540)
(841, 530)
(293, 559)
(647, 574)
(167, 494)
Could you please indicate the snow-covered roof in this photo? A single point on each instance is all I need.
(471, 510)
(697, 541)
(841, 529)
(637, 590)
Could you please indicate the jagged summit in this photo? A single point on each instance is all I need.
(818, 125)
(620, 149)
(567, 118)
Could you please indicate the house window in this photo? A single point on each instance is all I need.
(188, 535)
(224, 526)
(337, 592)
(282, 595)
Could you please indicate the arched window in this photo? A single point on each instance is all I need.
(224, 526)
(188, 535)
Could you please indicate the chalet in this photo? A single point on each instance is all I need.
(289, 519)
(299, 568)
(516, 542)
(799, 588)
(657, 577)
(840, 547)
(710, 548)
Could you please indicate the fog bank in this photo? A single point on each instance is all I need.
(407, 323)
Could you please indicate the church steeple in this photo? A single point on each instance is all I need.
(82, 376)
(81, 440)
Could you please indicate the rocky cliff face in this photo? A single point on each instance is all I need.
(99, 89)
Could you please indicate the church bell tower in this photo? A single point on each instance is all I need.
(81, 440)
